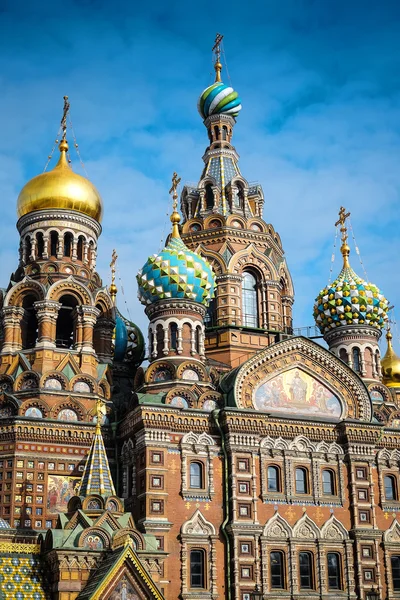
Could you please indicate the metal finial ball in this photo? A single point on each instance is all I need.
(56, 141)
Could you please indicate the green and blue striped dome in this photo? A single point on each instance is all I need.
(176, 272)
(350, 300)
(218, 99)
(128, 340)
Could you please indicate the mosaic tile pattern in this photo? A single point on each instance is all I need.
(96, 477)
(21, 578)
(350, 300)
(176, 273)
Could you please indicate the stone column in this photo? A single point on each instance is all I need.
(60, 247)
(46, 244)
(12, 322)
(47, 313)
(89, 316)
(179, 346)
(74, 252)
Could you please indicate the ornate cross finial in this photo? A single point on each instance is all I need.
(113, 287)
(100, 412)
(175, 218)
(217, 49)
(345, 250)
(64, 118)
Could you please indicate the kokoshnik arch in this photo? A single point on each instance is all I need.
(239, 458)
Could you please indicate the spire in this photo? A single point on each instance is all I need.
(175, 218)
(217, 50)
(63, 146)
(345, 248)
(113, 288)
(96, 477)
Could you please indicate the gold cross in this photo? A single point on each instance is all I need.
(207, 506)
(175, 182)
(342, 221)
(290, 512)
(188, 505)
(217, 50)
(113, 287)
(64, 117)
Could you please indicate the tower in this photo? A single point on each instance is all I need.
(350, 314)
(58, 321)
(223, 221)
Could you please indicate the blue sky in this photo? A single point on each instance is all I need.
(320, 125)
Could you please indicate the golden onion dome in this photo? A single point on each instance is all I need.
(61, 189)
(390, 364)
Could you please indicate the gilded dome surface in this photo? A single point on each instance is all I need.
(350, 300)
(176, 272)
(61, 189)
(219, 98)
(390, 364)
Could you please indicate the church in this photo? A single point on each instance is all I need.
(216, 456)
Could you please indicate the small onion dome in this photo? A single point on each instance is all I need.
(350, 301)
(390, 364)
(61, 189)
(176, 272)
(128, 341)
(218, 99)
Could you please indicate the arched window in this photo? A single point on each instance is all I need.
(224, 132)
(390, 487)
(53, 243)
(196, 475)
(174, 335)
(306, 571)
(334, 571)
(29, 329)
(28, 246)
(39, 244)
(198, 340)
(356, 360)
(249, 301)
(197, 569)
(343, 355)
(216, 132)
(301, 481)
(68, 244)
(328, 482)
(277, 566)
(395, 564)
(65, 329)
(273, 479)
(79, 248)
(209, 197)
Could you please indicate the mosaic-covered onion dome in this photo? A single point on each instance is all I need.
(176, 272)
(128, 340)
(61, 189)
(350, 300)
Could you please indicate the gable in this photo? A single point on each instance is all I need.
(298, 377)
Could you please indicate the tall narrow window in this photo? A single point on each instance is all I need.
(301, 481)
(53, 243)
(174, 335)
(209, 319)
(209, 197)
(196, 475)
(306, 571)
(390, 488)
(65, 328)
(356, 360)
(68, 244)
(334, 571)
(198, 338)
(273, 480)
(277, 570)
(197, 571)
(328, 482)
(79, 248)
(395, 563)
(249, 301)
(28, 246)
(29, 329)
(39, 244)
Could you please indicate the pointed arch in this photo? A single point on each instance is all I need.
(333, 530)
(250, 257)
(277, 527)
(306, 528)
(27, 286)
(393, 533)
(198, 525)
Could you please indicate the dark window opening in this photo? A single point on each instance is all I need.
(174, 336)
(273, 479)
(395, 563)
(196, 475)
(29, 329)
(216, 132)
(249, 301)
(68, 244)
(277, 570)
(306, 570)
(356, 360)
(79, 249)
(65, 329)
(224, 132)
(198, 338)
(209, 319)
(39, 245)
(197, 574)
(209, 197)
(53, 243)
(334, 574)
(28, 245)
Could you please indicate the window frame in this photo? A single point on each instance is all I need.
(339, 574)
(392, 477)
(250, 299)
(203, 571)
(277, 469)
(332, 475)
(201, 475)
(394, 588)
(306, 480)
(282, 575)
(311, 570)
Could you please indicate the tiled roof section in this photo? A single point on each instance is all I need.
(21, 577)
(97, 476)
